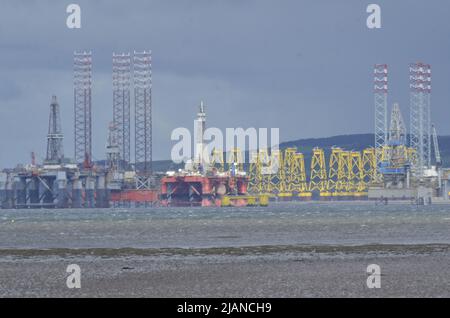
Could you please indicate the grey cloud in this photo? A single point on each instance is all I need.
(303, 66)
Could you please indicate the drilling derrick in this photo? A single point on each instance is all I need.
(397, 151)
(420, 134)
(380, 91)
(112, 149)
(54, 137)
(82, 107)
(207, 180)
(199, 132)
(395, 164)
(397, 129)
(143, 118)
(121, 64)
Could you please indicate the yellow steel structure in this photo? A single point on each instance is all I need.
(385, 152)
(284, 173)
(254, 173)
(379, 154)
(277, 173)
(259, 172)
(318, 178)
(398, 156)
(333, 170)
(369, 166)
(217, 160)
(293, 175)
(344, 164)
(356, 177)
(300, 184)
(236, 159)
(265, 170)
(290, 177)
(412, 156)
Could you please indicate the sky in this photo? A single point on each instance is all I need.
(302, 66)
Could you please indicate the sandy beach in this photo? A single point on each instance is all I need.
(284, 271)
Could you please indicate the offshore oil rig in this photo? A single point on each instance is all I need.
(399, 166)
(208, 181)
(391, 170)
(60, 182)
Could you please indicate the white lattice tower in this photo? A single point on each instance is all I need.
(121, 64)
(420, 121)
(380, 94)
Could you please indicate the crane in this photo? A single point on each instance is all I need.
(437, 156)
(437, 153)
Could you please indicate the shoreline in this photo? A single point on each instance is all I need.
(230, 250)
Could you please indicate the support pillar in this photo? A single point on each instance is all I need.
(33, 192)
(90, 190)
(61, 190)
(76, 193)
(101, 198)
(21, 192)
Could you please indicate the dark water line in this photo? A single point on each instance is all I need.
(232, 251)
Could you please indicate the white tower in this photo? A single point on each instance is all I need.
(420, 131)
(381, 92)
(199, 130)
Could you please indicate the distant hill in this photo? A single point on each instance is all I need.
(356, 142)
(348, 142)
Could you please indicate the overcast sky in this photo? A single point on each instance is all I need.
(302, 66)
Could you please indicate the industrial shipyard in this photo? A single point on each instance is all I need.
(401, 165)
(224, 157)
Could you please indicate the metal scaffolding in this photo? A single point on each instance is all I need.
(420, 134)
(395, 152)
(318, 178)
(380, 91)
(121, 76)
(112, 149)
(82, 107)
(143, 117)
(55, 136)
(397, 128)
